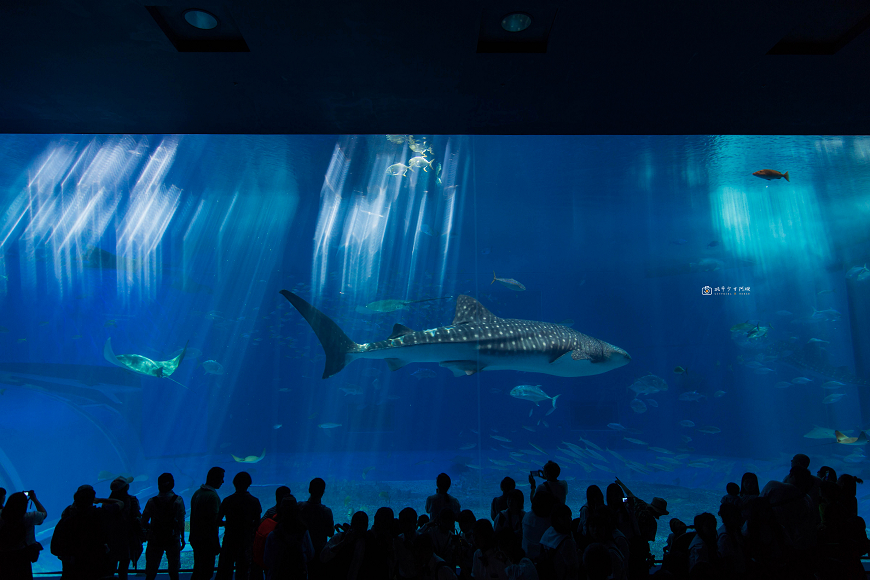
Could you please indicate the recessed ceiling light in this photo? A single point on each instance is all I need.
(200, 19)
(516, 22)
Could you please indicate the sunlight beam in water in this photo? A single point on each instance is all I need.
(775, 229)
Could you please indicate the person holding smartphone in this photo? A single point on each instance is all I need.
(18, 546)
(558, 488)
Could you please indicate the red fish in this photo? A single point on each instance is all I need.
(769, 174)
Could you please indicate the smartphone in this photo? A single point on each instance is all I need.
(27, 494)
(624, 500)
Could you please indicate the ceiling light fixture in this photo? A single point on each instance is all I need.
(516, 22)
(201, 19)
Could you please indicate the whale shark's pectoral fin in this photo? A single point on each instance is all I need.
(462, 367)
(576, 355)
(396, 363)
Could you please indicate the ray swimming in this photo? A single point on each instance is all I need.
(476, 341)
(144, 365)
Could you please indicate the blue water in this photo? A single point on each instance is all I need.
(157, 242)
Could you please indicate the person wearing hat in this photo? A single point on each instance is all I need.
(163, 518)
(646, 515)
(80, 537)
(801, 476)
(125, 528)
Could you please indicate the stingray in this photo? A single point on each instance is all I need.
(861, 439)
(144, 365)
(250, 458)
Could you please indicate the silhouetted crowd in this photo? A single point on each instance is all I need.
(806, 526)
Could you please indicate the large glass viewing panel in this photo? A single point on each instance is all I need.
(670, 310)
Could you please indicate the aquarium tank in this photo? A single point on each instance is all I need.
(374, 310)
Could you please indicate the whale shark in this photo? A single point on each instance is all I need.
(142, 364)
(477, 341)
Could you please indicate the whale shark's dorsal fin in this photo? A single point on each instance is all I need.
(470, 310)
(399, 330)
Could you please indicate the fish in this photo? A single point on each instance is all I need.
(661, 450)
(821, 433)
(827, 314)
(509, 282)
(758, 332)
(399, 169)
(277, 426)
(691, 396)
(329, 425)
(351, 390)
(710, 429)
(652, 403)
(566, 322)
(649, 384)
(686, 423)
(783, 313)
(250, 458)
(833, 398)
(818, 340)
(500, 438)
(420, 161)
(393, 305)
(212, 367)
(477, 340)
(743, 326)
(833, 385)
(680, 371)
(636, 441)
(713, 244)
(533, 394)
(638, 406)
(718, 394)
(801, 380)
(365, 471)
(420, 374)
(616, 426)
(769, 174)
(861, 439)
(468, 446)
(783, 385)
(538, 448)
(143, 365)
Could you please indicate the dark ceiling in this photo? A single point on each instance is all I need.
(618, 66)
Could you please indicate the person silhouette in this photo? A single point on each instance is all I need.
(204, 537)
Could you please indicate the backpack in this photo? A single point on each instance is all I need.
(546, 564)
(266, 527)
(163, 529)
(289, 559)
(62, 539)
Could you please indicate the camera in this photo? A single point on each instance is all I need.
(537, 473)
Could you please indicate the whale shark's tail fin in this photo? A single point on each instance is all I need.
(334, 341)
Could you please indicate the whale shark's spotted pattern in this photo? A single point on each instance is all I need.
(477, 340)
